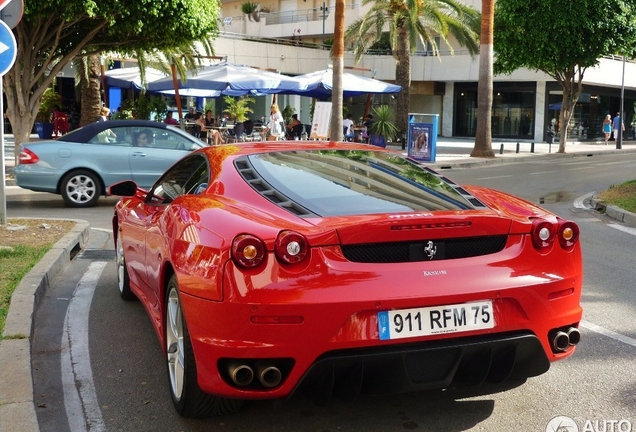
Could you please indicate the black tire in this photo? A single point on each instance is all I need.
(80, 188)
(188, 399)
(123, 280)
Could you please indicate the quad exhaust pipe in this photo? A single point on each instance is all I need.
(243, 374)
(268, 374)
(561, 340)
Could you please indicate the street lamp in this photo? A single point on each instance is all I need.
(324, 17)
(619, 138)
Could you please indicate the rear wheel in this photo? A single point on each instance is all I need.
(123, 281)
(189, 400)
(80, 188)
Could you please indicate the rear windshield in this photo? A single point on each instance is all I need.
(333, 183)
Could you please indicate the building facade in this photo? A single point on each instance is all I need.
(288, 36)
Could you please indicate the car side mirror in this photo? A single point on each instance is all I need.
(126, 188)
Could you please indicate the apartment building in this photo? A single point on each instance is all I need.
(288, 36)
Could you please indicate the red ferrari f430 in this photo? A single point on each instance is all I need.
(330, 267)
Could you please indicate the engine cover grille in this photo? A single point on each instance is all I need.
(422, 250)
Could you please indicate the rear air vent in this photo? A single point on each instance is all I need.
(266, 190)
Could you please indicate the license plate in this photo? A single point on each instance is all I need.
(406, 323)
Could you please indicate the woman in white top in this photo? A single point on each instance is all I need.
(276, 125)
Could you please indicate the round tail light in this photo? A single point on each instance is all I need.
(568, 234)
(248, 250)
(543, 234)
(291, 247)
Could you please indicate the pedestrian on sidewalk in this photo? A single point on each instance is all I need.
(607, 127)
(617, 124)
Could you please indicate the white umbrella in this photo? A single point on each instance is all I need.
(230, 79)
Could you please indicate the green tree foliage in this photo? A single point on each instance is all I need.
(53, 32)
(410, 21)
(562, 38)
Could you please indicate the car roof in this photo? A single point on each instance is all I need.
(86, 132)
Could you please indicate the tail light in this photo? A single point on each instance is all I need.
(545, 233)
(568, 234)
(291, 247)
(28, 157)
(248, 250)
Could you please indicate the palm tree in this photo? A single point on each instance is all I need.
(337, 56)
(409, 21)
(483, 136)
(88, 70)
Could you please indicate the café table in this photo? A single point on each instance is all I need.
(223, 130)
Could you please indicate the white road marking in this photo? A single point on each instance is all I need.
(628, 230)
(582, 168)
(541, 172)
(613, 163)
(494, 177)
(609, 333)
(80, 398)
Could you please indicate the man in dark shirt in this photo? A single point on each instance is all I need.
(190, 116)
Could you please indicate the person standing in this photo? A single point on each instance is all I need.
(618, 124)
(276, 125)
(104, 112)
(607, 127)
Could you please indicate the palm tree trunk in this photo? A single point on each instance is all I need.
(483, 136)
(90, 90)
(338, 69)
(402, 56)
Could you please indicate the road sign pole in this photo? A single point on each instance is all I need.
(3, 196)
(8, 52)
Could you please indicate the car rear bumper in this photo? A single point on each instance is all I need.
(36, 179)
(328, 320)
(329, 346)
(464, 362)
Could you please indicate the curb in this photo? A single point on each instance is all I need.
(613, 212)
(17, 405)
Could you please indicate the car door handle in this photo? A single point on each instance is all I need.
(138, 153)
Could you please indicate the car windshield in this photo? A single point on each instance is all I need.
(332, 183)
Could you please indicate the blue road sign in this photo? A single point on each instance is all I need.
(8, 48)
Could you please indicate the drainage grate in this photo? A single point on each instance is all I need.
(96, 254)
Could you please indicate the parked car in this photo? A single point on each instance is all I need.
(341, 267)
(80, 164)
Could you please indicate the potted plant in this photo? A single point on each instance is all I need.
(383, 129)
(50, 101)
(287, 113)
(238, 110)
(252, 11)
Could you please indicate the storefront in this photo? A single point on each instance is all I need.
(513, 110)
(590, 110)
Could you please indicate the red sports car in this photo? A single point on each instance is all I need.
(331, 267)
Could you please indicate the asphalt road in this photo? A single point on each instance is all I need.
(596, 387)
